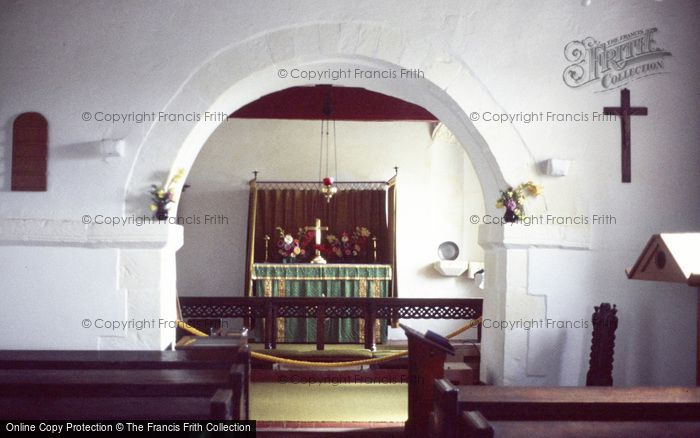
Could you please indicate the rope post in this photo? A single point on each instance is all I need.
(370, 318)
(320, 326)
(269, 323)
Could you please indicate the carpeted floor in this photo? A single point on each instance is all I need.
(329, 402)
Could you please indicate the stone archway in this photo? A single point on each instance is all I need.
(449, 90)
(250, 69)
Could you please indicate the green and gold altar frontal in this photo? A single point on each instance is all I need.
(316, 280)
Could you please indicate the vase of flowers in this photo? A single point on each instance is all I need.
(361, 238)
(513, 199)
(349, 246)
(307, 242)
(288, 247)
(339, 246)
(162, 197)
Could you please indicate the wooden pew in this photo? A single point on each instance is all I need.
(553, 405)
(200, 348)
(474, 425)
(131, 359)
(120, 384)
(24, 392)
(45, 408)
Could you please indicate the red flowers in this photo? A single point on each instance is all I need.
(350, 246)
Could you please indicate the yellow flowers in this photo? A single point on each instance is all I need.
(162, 197)
(531, 189)
(514, 198)
(362, 232)
(177, 177)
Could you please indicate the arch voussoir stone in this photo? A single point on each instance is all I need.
(364, 44)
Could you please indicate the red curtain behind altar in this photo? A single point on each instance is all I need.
(292, 209)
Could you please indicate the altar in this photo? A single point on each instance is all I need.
(323, 280)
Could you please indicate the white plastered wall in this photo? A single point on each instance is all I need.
(66, 59)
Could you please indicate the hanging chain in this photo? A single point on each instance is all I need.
(335, 152)
(320, 156)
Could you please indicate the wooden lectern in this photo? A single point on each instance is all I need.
(426, 362)
(673, 257)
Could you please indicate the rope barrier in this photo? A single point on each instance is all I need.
(277, 359)
(305, 363)
(188, 328)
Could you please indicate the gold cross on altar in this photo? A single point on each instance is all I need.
(317, 228)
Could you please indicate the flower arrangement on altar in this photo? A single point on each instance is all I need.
(289, 247)
(513, 200)
(163, 197)
(349, 246)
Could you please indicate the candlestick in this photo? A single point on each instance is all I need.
(266, 239)
(374, 248)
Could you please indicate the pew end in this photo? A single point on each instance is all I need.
(444, 410)
(222, 405)
(473, 425)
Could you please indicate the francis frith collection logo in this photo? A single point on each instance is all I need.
(614, 63)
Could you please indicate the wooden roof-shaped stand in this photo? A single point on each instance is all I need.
(673, 257)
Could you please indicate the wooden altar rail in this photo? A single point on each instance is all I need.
(369, 309)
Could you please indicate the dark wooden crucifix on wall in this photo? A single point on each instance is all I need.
(624, 111)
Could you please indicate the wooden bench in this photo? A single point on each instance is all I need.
(121, 360)
(23, 392)
(600, 405)
(44, 408)
(207, 384)
(474, 425)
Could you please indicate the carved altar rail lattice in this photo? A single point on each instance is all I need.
(321, 308)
